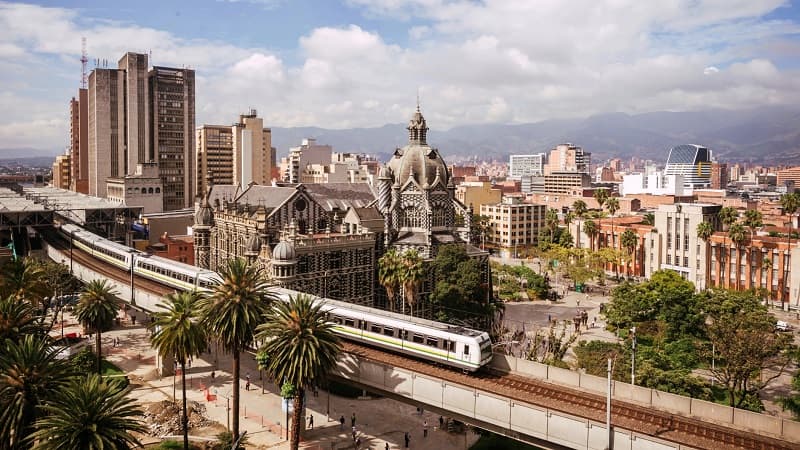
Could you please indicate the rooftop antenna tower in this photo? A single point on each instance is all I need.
(84, 60)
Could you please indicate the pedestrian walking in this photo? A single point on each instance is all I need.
(358, 443)
(425, 429)
(247, 385)
(407, 439)
(133, 320)
(386, 446)
(354, 433)
(341, 423)
(594, 321)
(353, 420)
(213, 374)
(441, 422)
(311, 421)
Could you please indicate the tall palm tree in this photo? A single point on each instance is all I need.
(17, 319)
(601, 195)
(753, 220)
(728, 216)
(738, 236)
(412, 274)
(649, 219)
(30, 372)
(178, 332)
(25, 280)
(389, 275)
(766, 264)
(579, 206)
(704, 231)
(301, 347)
(590, 228)
(96, 310)
(629, 240)
(233, 309)
(91, 414)
(551, 222)
(790, 204)
(612, 204)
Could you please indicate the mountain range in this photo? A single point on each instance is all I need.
(760, 135)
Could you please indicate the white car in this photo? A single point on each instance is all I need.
(783, 326)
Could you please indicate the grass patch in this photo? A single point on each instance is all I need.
(108, 369)
(491, 441)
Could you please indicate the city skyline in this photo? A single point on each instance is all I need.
(360, 64)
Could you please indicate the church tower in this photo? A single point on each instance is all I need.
(201, 230)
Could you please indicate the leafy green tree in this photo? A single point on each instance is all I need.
(302, 348)
(24, 279)
(728, 216)
(233, 309)
(481, 226)
(551, 347)
(590, 228)
(579, 207)
(30, 372)
(745, 343)
(92, 414)
(178, 332)
(649, 219)
(460, 292)
(738, 236)
(790, 204)
(390, 275)
(96, 309)
(551, 222)
(565, 239)
(17, 319)
(411, 275)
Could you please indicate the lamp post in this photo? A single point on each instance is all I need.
(633, 356)
(71, 238)
(608, 408)
(133, 289)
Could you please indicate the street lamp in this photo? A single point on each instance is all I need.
(71, 238)
(633, 356)
(133, 289)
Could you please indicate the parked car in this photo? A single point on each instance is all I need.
(783, 326)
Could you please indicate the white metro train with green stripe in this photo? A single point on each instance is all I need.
(446, 344)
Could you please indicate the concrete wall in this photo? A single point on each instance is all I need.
(677, 404)
(535, 424)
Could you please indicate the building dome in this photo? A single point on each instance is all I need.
(284, 251)
(204, 216)
(254, 243)
(418, 160)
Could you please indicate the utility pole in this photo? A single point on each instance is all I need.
(633, 356)
(608, 409)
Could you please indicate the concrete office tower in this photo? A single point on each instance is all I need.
(214, 156)
(78, 142)
(106, 140)
(680, 249)
(521, 165)
(118, 121)
(253, 156)
(306, 154)
(172, 133)
(568, 158)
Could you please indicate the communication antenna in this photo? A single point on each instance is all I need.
(84, 60)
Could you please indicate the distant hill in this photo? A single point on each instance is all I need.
(767, 134)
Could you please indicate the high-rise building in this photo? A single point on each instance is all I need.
(254, 157)
(691, 161)
(214, 156)
(513, 225)
(568, 158)
(719, 175)
(61, 172)
(680, 248)
(789, 177)
(521, 165)
(308, 153)
(78, 145)
(172, 133)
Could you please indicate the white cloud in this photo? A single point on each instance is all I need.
(472, 61)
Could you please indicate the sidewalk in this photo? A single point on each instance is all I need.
(378, 421)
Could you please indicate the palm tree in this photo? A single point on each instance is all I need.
(96, 310)
(92, 414)
(25, 280)
(389, 274)
(629, 240)
(601, 195)
(704, 231)
(612, 204)
(233, 309)
(590, 228)
(579, 206)
(790, 204)
(551, 222)
(766, 264)
(752, 220)
(738, 236)
(728, 216)
(30, 372)
(178, 332)
(649, 219)
(17, 319)
(412, 274)
(301, 349)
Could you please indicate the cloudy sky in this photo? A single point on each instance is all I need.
(360, 63)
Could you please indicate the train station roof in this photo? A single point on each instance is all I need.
(80, 208)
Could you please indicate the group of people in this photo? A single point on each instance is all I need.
(357, 439)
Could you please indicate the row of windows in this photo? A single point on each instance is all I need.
(397, 333)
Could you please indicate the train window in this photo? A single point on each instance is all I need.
(466, 350)
(388, 331)
(337, 319)
(375, 328)
(433, 342)
(452, 346)
(349, 322)
(417, 338)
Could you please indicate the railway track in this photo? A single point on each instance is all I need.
(662, 424)
(671, 427)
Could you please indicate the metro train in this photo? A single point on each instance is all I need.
(442, 343)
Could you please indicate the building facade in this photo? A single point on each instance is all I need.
(214, 155)
(566, 183)
(522, 165)
(681, 250)
(693, 163)
(62, 169)
(253, 155)
(719, 175)
(308, 153)
(478, 193)
(142, 188)
(513, 225)
(568, 158)
(78, 142)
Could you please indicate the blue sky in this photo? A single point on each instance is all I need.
(355, 63)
